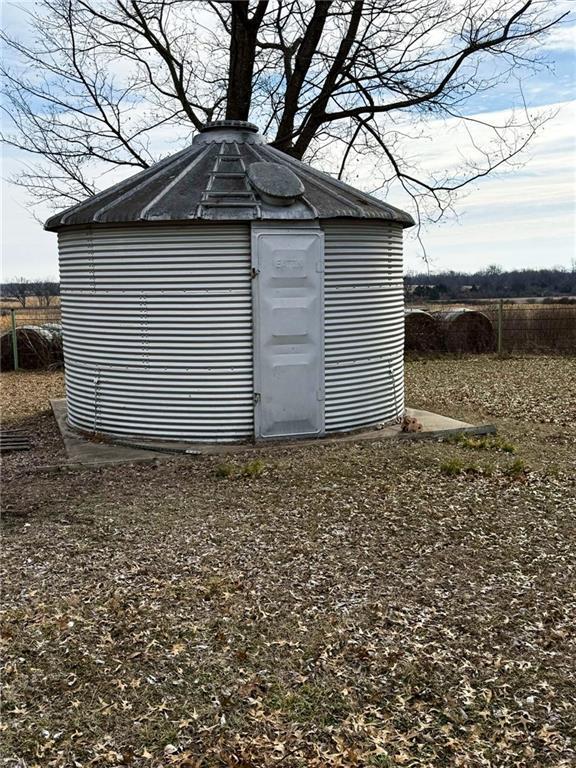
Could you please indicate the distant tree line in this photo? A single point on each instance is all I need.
(22, 290)
(492, 282)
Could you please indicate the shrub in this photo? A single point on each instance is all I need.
(517, 470)
(252, 468)
(225, 470)
(485, 443)
(452, 467)
(456, 466)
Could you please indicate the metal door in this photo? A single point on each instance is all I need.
(288, 304)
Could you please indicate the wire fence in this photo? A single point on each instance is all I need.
(502, 327)
(534, 328)
(31, 337)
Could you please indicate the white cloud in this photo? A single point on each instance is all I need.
(522, 217)
(561, 38)
(27, 250)
(515, 218)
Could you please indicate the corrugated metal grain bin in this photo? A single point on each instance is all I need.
(231, 292)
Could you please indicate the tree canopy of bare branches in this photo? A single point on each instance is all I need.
(93, 86)
(21, 289)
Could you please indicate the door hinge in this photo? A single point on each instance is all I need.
(255, 272)
(256, 397)
(319, 266)
(320, 394)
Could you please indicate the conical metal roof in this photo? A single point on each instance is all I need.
(228, 174)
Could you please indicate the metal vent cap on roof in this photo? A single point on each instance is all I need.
(228, 130)
(242, 125)
(276, 184)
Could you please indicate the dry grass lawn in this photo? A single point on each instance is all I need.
(360, 604)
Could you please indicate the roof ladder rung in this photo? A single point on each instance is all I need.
(213, 193)
(209, 204)
(227, 175)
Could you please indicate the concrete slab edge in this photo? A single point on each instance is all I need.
(80, 448)
(481, 429)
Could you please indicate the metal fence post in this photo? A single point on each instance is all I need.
(500, 323)
(14, 339)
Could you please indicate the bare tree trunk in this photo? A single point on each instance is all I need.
(244, 32)
(315, 116)
(306, 51)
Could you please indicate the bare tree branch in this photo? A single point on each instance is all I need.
(93, 86)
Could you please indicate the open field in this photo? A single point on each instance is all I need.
(31, 315)
(361, 604)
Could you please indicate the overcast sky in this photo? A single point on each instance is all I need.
(521, 217)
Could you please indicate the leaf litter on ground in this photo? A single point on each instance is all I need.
(333, 605)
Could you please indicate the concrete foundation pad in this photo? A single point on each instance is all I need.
(80, 449)
(87, 450)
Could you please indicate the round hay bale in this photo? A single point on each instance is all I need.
(57, 351)
(422, 331)
(55, 328)
(466, 330)
(57, 343)
(36, 348)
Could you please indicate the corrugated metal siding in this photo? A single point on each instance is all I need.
(158, 331)
(364, 323)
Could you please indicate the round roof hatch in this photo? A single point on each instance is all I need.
(275, 183)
